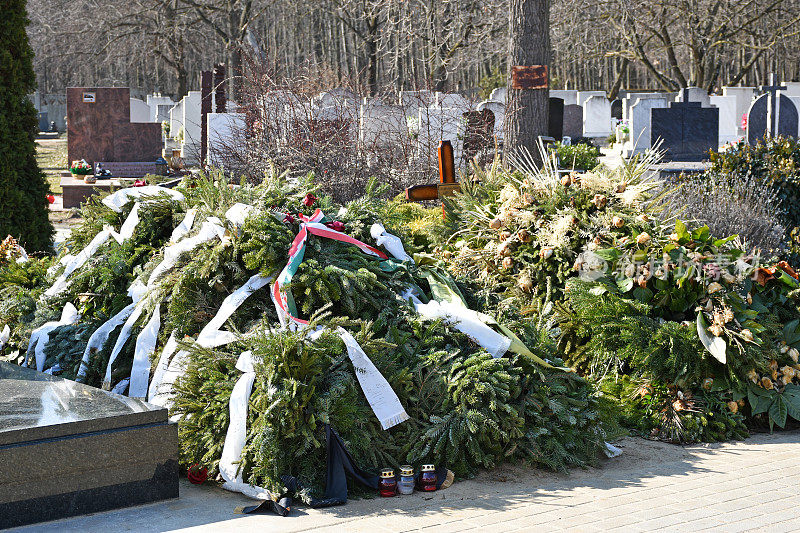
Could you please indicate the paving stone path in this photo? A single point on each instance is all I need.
(730, 487)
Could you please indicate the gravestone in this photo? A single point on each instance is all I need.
(744, 99)
(226, 138)
(573, 121)
(99, 127)
(695, 94)
(382, 125)
(191, 120)
(583, 96)
(632, 98)
(453, 100)
(597, 116)
(555, 118)
(159, 106)
(787, 123)
(140, 111)
(499, 95)
(686, 130)
(478, 132)
(569, 97)
(616, 109)
(792, 88)
(499, 111)
(440, 124)
(639, 123)
(44, 124)
(206, 99)
(116, 169)
(69, 449)
(728, 123)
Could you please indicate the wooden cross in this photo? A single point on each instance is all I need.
(773, 104)
(447, 185)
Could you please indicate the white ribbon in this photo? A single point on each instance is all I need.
(100, 336)
(383, 400)
(41, 335)
(75, 262)
(161, 368)
(238, 214)
(211, 336)
(211, 229)
(392, 243)
(117, 200)
(120, 387)
(237, 432)
(468, 322)
(5, 335)
(124, 334)
(184, 227)
(145, 346)
(78, 261)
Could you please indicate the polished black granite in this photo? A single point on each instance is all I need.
(68, 449)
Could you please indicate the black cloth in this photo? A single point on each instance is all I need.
(339, 465)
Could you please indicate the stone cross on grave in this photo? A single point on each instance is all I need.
(773, 104)
(447, 185)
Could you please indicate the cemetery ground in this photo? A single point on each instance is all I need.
(51, 155)
(733, 486)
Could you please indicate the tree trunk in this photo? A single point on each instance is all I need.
(527, 112)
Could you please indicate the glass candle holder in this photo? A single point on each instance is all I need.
(387, 486)
(427, 480)
(406, 484)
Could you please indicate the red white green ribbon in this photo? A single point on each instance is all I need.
(287, 310)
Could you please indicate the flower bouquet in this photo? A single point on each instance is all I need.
(82, 168)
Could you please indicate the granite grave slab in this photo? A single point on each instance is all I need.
(69, 449)
(573, 121)
(555, 118)
(787, 119)
(99, 127)
(686, 130)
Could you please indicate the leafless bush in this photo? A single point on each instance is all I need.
(737, 205)
(289, 124)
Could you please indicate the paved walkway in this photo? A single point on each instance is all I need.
(743, 486)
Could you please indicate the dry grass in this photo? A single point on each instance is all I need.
(52, 158)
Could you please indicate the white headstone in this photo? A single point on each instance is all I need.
(225, 135)
(728, 121)
(499, 110)
(582, 96)
(569, 97)
(499, 95)
(382, 125)
(413, 101)
(597, 116)
(632, 98)
(440, 124)
(140, 111)
(792, 88)
(453, 100)
(696, 94)
(640, 126)
(192, 125)
(159, 107)
(744, 99)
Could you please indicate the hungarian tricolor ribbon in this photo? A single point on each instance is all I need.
(283, 297)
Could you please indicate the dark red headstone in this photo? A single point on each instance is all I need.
(99, 127)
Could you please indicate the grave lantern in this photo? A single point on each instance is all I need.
(161, 166)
